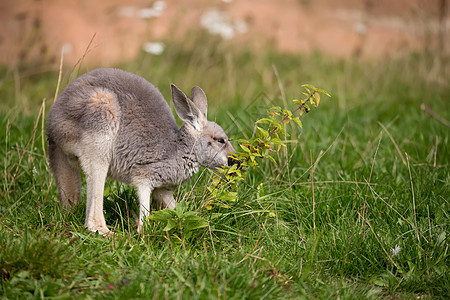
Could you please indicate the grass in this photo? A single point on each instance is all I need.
(368, 173)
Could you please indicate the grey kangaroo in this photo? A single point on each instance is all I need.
(112, 122)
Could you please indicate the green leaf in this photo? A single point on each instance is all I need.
(229, 196)
(306, 86)
(278, 142)
(317, 97)
(180, 209)
(170, 225)
(323, 92)
(241, 141)
(261, 132)
(275, 108)
(189, 214)
(244, 148)
(195, 223)
(287, 112)
(271, 158)
(297, 120)
(273, 114)
(263, 121)
(162, 215)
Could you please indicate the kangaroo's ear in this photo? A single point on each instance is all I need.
(187, 110)
(199, 98)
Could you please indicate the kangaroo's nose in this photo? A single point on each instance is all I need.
(233, 161)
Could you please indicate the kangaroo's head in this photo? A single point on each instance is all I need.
(208, 142)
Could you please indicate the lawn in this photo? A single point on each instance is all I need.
(356, 206)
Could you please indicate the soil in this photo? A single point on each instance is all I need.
(115, 31)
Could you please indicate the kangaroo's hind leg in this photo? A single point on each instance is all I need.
(95, 147)
(95, 163)
(67, 174)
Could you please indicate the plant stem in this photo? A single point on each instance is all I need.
(285, 117)
(274, 129)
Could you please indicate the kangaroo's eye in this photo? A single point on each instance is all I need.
(220, 140)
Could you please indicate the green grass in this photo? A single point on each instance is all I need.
(368, 172)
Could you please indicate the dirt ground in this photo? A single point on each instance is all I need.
(115, 31)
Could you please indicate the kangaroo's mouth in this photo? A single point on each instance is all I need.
(230, 161)
(233, 161)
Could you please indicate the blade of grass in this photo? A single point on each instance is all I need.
(393, 142)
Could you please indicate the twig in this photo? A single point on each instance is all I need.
(293, 112)
(237, 124)
(435, 152)
(212, 240)
(413, 199)
(391, 207)
(336, 182)
(393, 142)
(30, 141)
(260, 234)
(86, 52)
(280, 86)
(371, 171)
(433, 114)
(42, 128)
(274, 129)
(313, 198)
(59, 75)
(384, 250)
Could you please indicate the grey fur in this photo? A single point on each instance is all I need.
(112, 122)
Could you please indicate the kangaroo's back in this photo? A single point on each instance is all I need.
(139, 100)
(118, 106)
(121, 96)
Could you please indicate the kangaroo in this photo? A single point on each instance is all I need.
(110, 122)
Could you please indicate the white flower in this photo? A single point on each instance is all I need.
(153, 12)
(220, 23)
(34, 171)
(66, 48)
(155, 48)
(360, 28)
(396, 250)
(144, 13)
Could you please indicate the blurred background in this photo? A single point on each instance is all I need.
(114, 31)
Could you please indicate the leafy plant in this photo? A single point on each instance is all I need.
(269, 132)
(179, 222)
